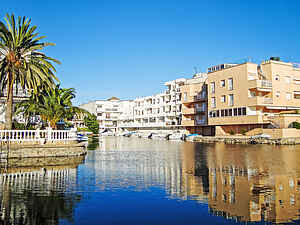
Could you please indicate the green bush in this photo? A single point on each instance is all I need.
(231, 132)
(296, 125)
(243, 131)
(91, 122)
(83, 129)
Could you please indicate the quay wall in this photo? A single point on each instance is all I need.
(10, 152)
(247, 140)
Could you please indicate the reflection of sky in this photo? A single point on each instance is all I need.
(136, 181)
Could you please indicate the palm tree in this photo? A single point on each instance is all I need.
(51, 105)
(21, 62)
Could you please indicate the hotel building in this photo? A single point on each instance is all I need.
(113, 112)
(162, 110)
(194, 104)
(236, 98)
(247, 96)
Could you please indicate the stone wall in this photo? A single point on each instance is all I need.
(39, 152)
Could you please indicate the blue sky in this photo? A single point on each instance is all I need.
(129, 48)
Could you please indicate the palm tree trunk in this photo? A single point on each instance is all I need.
(9, 103)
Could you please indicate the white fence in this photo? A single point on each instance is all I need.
(37, 135)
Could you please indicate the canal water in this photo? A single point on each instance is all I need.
(140, 181)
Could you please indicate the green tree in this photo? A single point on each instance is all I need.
(21, 61)
(51, 105)
(91, 122)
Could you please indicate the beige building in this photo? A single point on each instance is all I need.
(194, 104)
(241, 97)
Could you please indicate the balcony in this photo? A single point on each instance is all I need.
(188, 122)
(257, 100)
(200, 109)
(200, 122)
(191, 99)
(188, 111)
(260, 85)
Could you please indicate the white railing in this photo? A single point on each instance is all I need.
(37, 135)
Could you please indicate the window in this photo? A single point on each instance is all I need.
(277, 94)
(291, 183)
(244, 111)
(213, 102)
(223, 98)
(277, 77)
(222, 113)
(288, 96)
(230, 103)
(212, 87)
(288, 80)
(185, 96)
(239, 111)
(226, 112)
(235, 113)
(230, 84)
(229, 112)
(222, 83)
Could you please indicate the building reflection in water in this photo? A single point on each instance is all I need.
(238, 182)
(244, 183)
(34, 193)
(138, 163)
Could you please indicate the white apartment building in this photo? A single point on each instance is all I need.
(159, 110)
(113, 112)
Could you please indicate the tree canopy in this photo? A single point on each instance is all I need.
(21, 60)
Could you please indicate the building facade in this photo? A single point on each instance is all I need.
(194, 104)
(159, 111)
(111, 113)
(237, 98)
(228, 99)
(247, 96)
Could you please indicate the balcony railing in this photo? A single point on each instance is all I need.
(263, 84)
(257, 100)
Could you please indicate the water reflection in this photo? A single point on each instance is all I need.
(140, 181)
(245, 183)
(237, 182)
(36, 191)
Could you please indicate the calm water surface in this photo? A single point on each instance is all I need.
(138, 181)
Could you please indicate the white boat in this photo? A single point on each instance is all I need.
(107, 134)
(160, 136)
(81, 137)
(176, 136)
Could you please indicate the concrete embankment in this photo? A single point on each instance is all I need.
(246, 140)
(28, 150)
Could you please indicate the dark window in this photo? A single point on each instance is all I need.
(239, 111)
(222, 112)
(244, 111)
(226, 112)
(218, 113)
(235, 112)
(229, 112)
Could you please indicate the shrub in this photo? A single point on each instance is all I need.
(296, 125)
(243, 131)
(91, 122)
(231, 132)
